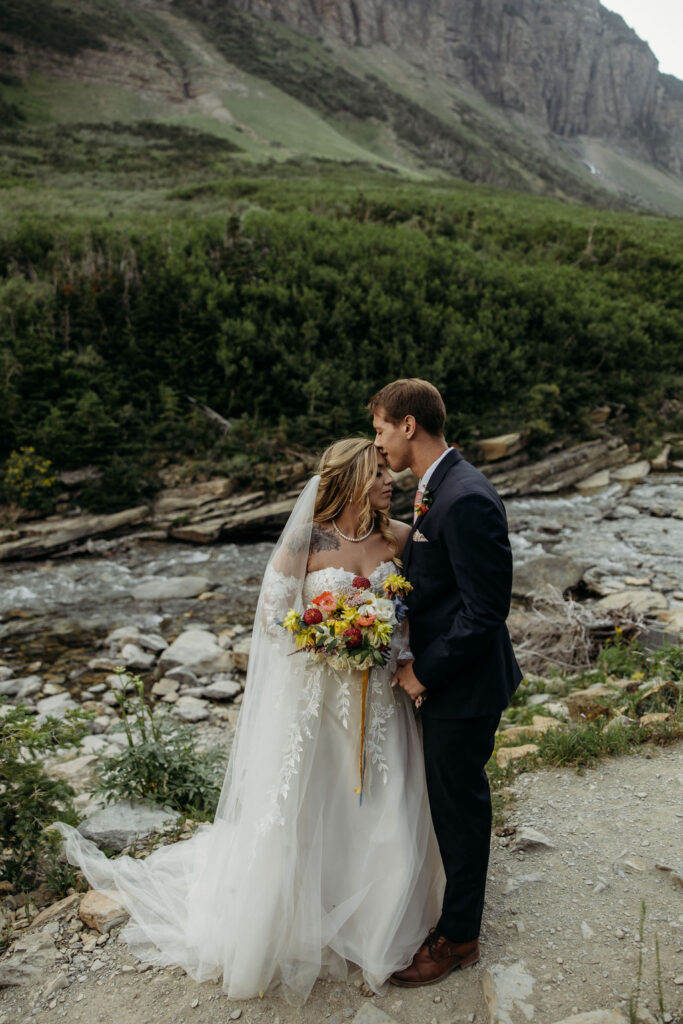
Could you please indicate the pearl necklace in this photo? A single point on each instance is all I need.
(354, 540)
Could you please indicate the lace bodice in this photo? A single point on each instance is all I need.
(340, 579)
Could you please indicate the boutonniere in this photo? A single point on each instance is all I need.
(425, 504)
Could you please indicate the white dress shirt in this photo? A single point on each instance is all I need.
(424, 479)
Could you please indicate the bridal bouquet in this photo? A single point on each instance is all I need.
(351, 630)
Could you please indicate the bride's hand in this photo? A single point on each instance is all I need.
(405, 677)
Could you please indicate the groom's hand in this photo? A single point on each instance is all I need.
(408, 681)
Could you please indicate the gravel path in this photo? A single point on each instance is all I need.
(560, 935)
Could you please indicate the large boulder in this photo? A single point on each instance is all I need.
(641, 602)
(119, 824)
(632, 473)
(101, 912)
(31, 957)
(556, 570)
(494, 448)
(171, 588)
(198, 650)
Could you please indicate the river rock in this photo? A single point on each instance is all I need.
(222, 689)
(190, 709)
(640, 602)
(56, 910)
(77, 771)
(152, 642)
(632, 473)
(528, 838)
(240, 653)
(507, 754)
(673, 617)
(122, 635)
(134, 657)
(183, 675)
(31, 956)
(542, 723)
(22, 687)
(55, 706)
(556, 570)
(593, 699)
(116, 826)
(198, 650)
(165, 686)
(172, 588)
(594, 483)
(660, 463)
(506, 989)
(100, 912)
(493, 448)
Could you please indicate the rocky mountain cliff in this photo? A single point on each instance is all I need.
(571, 65)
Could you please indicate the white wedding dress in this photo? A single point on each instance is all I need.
(295, 876)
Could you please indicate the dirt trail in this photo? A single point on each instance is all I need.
(560, 933)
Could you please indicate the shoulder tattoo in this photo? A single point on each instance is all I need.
(323, 539)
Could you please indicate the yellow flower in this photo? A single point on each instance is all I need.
(395, 584)
(382, 631)
(291, 620)
(340, 626)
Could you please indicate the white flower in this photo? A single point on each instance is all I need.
(384, 609)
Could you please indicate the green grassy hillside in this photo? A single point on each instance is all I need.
(277, 94)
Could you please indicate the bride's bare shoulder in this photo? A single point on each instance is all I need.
(400, 531)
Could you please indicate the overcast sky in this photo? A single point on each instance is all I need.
(659, 23)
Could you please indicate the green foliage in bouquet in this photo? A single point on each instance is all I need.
(161, 762)
(30, 800)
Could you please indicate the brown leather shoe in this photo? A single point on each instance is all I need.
(434, 960)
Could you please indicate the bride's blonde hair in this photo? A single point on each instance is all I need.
(348, 469)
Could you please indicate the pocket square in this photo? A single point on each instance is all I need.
(418, 536)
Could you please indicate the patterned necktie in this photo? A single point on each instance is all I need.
(418, 499)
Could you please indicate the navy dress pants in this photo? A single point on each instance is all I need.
(456, 750)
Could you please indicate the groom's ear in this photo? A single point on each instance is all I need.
(409, 426)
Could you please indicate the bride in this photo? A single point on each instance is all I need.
(296, 876)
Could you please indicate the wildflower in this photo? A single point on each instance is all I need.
(326, 601)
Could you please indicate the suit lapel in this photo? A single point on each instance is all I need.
(447, 462)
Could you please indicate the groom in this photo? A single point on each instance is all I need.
(464, 672)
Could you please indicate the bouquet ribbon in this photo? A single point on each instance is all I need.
(363, 717)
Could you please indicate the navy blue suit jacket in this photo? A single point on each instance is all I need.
(462, 579)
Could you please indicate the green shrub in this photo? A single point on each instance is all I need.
(161, 762)
(29, 480)
(30, 800)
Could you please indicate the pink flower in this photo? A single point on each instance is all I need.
(327, 601)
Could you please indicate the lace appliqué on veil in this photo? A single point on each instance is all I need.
(309, 703)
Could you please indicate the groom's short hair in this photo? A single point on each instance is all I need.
(411, 397)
